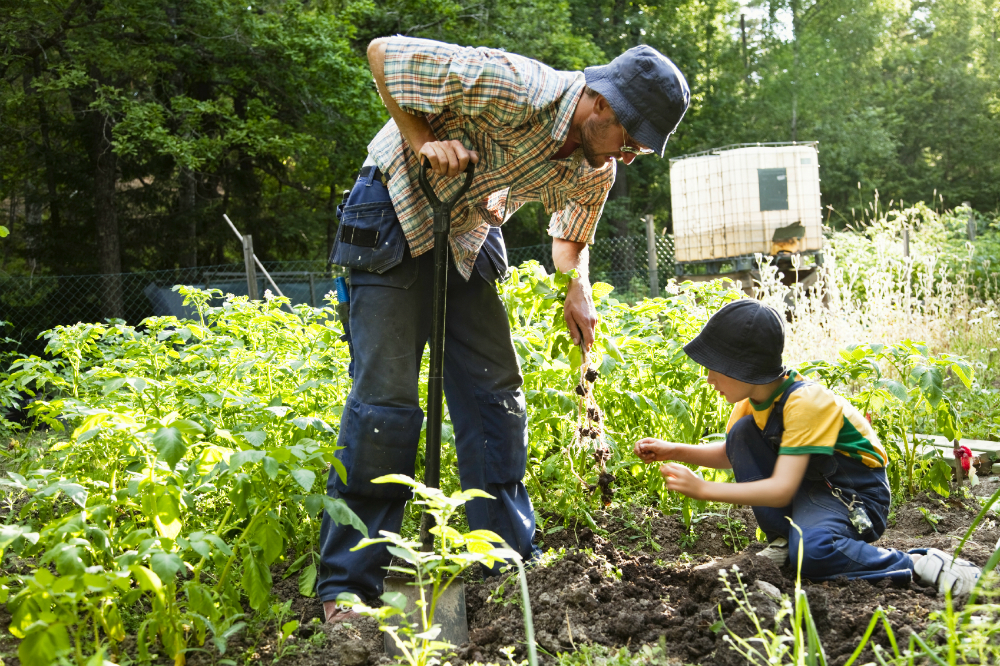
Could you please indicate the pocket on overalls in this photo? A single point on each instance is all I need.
(505, 419)
(377, 441)
(369, 237)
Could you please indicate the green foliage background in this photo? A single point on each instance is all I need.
(127, 127)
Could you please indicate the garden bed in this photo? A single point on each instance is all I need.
(598, 594)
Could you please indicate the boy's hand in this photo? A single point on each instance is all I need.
(650, 450)
(682, 480)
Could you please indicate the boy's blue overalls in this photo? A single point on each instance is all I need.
(390, 313)
(831, 545)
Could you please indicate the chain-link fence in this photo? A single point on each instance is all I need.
(33, 304)
(622, 262)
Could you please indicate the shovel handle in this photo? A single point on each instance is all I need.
(436, 203)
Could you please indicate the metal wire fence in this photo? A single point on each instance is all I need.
(30, 305)
(622, 262)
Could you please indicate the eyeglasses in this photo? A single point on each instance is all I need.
(629, 148)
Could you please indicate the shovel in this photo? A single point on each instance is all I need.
(450, 611)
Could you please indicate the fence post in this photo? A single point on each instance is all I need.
(654, 278)
(312, 289)
(906, 240)
(251, 268)
(970, 225)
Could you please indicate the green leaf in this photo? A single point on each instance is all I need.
(612, 348)
(938, 478)
(148, 581)
(575, 357)
(267, 534)
(397, 478)
(255, 437)
(947, 420)
(341, 470)
(188, 427)
(67, 559)
(341, 514)
(44, 647)
(962, 371)
(304, 477)
(895, 389)
(240, 458)
(288, 628)
(9, 534)
(163, 505)
(256, 581)
(395, 599)
(402, 554)
(170, 446)
(75, 492)
(931, 385)
(271, 467)
(166, 565)
(307, 581)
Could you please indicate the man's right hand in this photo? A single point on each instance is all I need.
(652, 450)
(447, 158)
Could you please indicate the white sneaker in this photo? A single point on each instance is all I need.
(946, 572)
(776, 551)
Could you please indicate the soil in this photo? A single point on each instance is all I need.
(632, 584)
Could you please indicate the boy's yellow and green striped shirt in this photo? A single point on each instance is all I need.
(817, 421)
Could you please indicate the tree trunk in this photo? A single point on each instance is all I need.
(188, 203)
(105, 165)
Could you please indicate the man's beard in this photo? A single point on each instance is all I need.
(591, 131)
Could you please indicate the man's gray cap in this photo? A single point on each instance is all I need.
(646, 91)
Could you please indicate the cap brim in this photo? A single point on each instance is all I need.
(705, 356)
(637, 127)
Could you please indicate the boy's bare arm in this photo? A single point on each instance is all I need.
(704, 455)
(776, 491)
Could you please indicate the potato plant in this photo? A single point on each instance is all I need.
(185, 458)
(195, 456)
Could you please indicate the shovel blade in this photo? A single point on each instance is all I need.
(449, 613)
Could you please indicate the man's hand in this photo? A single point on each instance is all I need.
(447, 158)
(579, 313)
(682, 480)
(651, 450)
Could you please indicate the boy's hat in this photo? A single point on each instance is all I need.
(646, 91)
(743, 340)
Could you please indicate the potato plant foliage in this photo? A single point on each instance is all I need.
(184, 458)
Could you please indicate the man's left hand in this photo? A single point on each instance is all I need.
(579, 313)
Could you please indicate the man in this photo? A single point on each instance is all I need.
(535, 134)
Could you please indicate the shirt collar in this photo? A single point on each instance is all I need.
(777, 393)
(567, 107)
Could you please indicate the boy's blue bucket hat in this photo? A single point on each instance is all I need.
(743, 340)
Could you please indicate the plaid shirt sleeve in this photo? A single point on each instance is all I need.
(577, 221)
(428, 77)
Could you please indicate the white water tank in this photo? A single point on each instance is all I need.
(729, 202)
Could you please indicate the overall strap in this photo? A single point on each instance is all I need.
(775, 426)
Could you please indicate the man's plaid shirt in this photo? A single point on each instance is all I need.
(516, 113)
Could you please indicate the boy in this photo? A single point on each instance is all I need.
(797, 451)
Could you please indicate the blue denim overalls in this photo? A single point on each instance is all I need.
(831, 546)
(390, 313)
